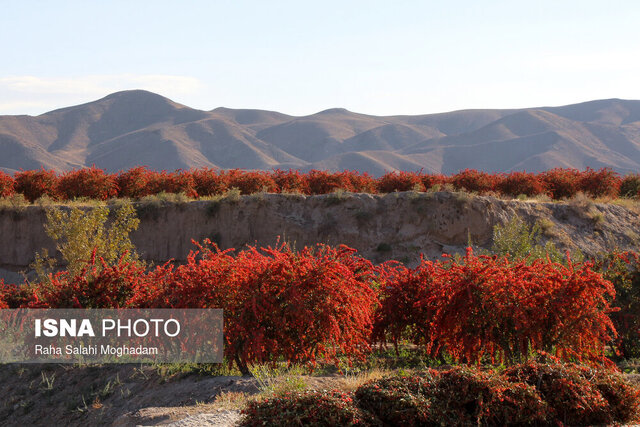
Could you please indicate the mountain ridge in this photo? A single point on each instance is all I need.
(136, 127)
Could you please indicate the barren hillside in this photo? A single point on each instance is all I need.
(132, 128)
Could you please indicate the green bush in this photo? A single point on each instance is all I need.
(77, 232)
(519, 240)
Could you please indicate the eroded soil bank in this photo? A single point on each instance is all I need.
(394, 226)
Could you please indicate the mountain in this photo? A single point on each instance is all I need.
(131, 128)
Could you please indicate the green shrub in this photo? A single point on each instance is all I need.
(77, 232)
(519, 240)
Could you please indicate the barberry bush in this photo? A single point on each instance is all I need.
(475, 181)
(92, 183)
(36, 184)
(490, 306)
(304, 306)
(308, 408)
(517, 183)
(400, 181)
(7, 185)
(139, 182)
(535, 393)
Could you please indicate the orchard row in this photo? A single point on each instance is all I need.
(318, 303)
(139, 182)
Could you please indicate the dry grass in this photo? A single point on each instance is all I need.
(230, 400)
(352, 382)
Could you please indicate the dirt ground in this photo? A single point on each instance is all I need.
(125, 395)
(128, 395)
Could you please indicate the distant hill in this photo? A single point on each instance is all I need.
(133, 128)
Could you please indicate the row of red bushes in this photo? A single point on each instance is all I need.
(317, 303)
(139, 182)
(534, 393)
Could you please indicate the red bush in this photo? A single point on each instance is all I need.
(430, 180)
(323, 182)
(491, 306)
(37, 183)
(359, 182)
(561, 183)
(573, 398)
(466, 396)
(250, 182)
(140, 181)
(4, 293)
(516, 183)
(208, 182)
(289, 181)
(302, 306)
(7, 185)
(530, 394)
(93, 287)
(473, 180)
(400, 181)
(603, 182)
(134, 183)
(171, 182)
(89, 182)
(399, 317)
(399, 400)
(307, 408)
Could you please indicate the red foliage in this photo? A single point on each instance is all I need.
(208, 182)
(89, 182)
(324, 182)
(573, 398)
(37, 183)
(561, 183)
(491, 306)
(93, 287)
(360, 182)
(134, 183)
(306, 408)
(303, 306)
(171, 182)
(529, 394)
(473, 180)
(4, 291)
(399, 317)
(429, 180)
(400, 181)
(140, 181)
(289, 181)
(249, 182)
(7, 185)
(516, 183)
(603, 182)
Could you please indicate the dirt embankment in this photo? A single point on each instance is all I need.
(394, 226)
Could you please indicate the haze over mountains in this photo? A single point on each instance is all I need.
(135, 128)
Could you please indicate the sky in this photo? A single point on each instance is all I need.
(301, 57)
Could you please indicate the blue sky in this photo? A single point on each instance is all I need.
(300, 57)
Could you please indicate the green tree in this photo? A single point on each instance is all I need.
(78, 232)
